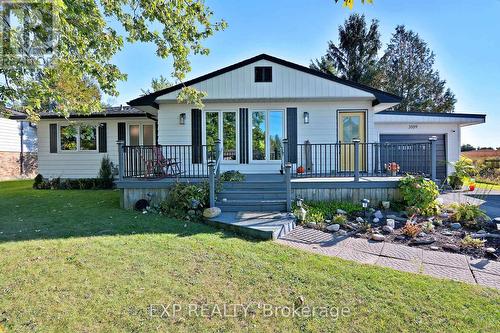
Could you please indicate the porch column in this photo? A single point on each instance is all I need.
(288, 180)
(433, 140)
(121, 160)
(211, 182)
(356, 159)
(285, 151)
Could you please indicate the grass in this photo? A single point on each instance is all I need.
(488, 186)
(73, 261)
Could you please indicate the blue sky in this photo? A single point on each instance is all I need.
(465, 35)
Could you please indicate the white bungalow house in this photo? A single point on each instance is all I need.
(251, 106)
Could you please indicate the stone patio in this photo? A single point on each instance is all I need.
(400, 257)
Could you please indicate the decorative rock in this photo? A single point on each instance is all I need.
(341, 211)
(425, 241)
(376, 220)
(386, 204)
(456, 226)
(333, 227)
(312, 224)
(328, 221)
(388, 229)
(360, 220)
(444, 215)
(391, 223)
(434, 248)
(400, 237)
(439, 201)
(378, 214)
(481, 232)
(451, 247)
(211, 212)
(497, 219)
(446, 233)
(341, 233)
(422, 234)
(378, 237)
(397, 218)
(191, 212)
(490, 250)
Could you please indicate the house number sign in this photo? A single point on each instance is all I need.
(412, 126)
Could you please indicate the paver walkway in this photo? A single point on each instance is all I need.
(400, 257)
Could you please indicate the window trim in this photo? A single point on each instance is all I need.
(78, 149)
(264, 78)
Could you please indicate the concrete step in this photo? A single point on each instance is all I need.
(268, 225)
(243, 194)
(252, 205)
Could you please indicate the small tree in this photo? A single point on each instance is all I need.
(106, 172)
(467, 147)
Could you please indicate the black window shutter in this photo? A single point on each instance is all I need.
(197, 152)
(244, 136)
(291, 130)
(103, 139)
(53, 137)
(122, 132)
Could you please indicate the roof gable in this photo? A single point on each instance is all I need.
(291, 80)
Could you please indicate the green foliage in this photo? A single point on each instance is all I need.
(232, 176)
(321, 210)
(428, 227)
(419, 193)
(468, 241)
(72, 71)
(72, 184)
(355, 56)
(464, 169)
(467, 147)
(339, 219)
(106, 171)
(469, 214)
(407, 70)
(158, 83)
(37, 181)
(184, 197)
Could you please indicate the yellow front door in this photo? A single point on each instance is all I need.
(351, 126)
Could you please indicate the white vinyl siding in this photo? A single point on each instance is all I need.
(10, 139)
(287, 83)
(79, 164)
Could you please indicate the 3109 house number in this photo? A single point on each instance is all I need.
(412, 126)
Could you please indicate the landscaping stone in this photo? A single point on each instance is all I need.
(388, 229)
(446, 233)
(422, 234)
(490, 250)
(312, 224)
(386, 204)
(333, 227)
(341, 211)
(456, 226)
(434, 248)
(376, 220)
(444, 215)
(391, 223)
(341, 233)
(396, 218)
(328, 221)
(400, 237)
(211, 212)
(451, 247)
(378, 214)
(191, 212)
(481, 231)
(378, 237)
(360, 220)
(425, 241)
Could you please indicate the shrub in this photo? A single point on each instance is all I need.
(470, 242)
(469, 214)
(232, 176)
(339, 219)
(317, 217)
(106, 173)
(419, 193)
(464, 169)
(183, 197)
(37, 181)
(72, 184)
(411, 229)
(428, 227)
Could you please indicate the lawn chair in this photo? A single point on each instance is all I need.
(160, 166)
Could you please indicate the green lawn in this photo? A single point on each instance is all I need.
(73, 261)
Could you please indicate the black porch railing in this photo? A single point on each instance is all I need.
(362, 159)
(164, 161)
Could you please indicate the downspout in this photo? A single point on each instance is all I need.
(21, 157)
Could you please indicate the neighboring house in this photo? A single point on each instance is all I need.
(18, 147)
(74, 147)
(251, 107)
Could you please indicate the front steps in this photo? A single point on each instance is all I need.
(257, 193)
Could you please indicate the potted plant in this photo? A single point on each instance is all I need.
(300, 169)
(392, 168)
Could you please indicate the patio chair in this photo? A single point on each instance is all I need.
(161, 166)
